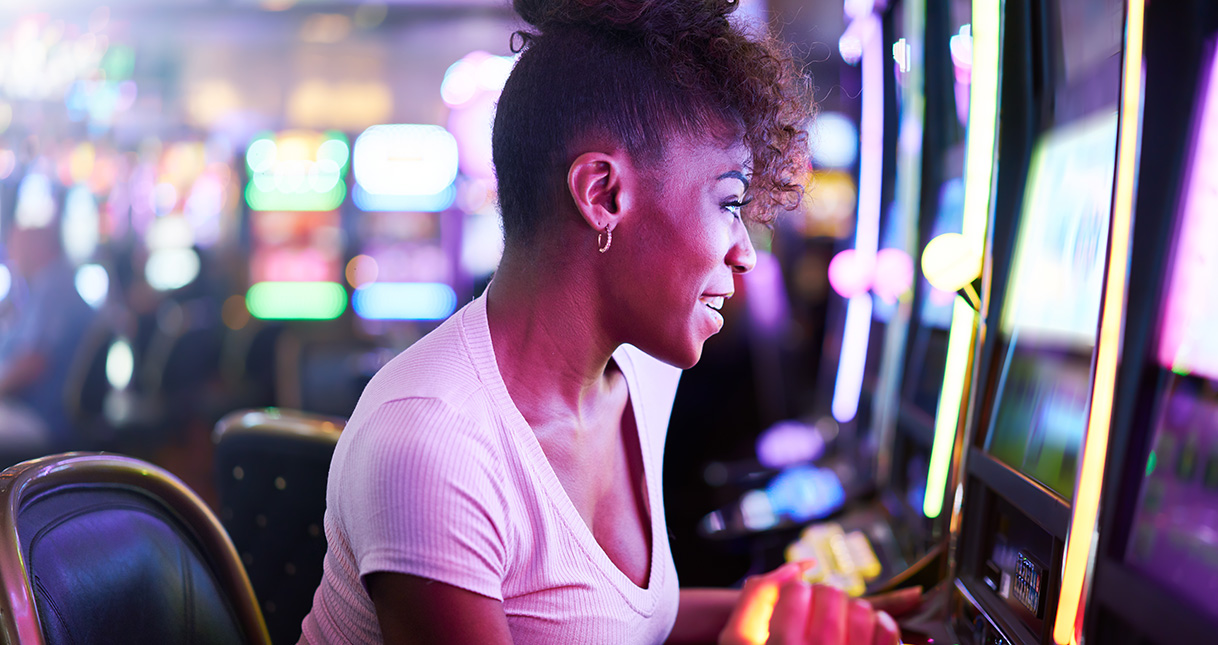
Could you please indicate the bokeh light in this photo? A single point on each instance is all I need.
(93, 284)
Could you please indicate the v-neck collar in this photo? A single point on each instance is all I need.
(476, 333)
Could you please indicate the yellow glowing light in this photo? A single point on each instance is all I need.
(344, 106)
(951, 261)
(983, 114)
(210, 100)
(960, 340)
(1095, 446)
(362, 270)
(80, 163)
(979, 172)
(755, 625)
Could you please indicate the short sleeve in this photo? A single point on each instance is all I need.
(419, 491)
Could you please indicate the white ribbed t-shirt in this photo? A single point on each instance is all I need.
(438, 475)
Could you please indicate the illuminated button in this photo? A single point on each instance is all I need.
(863, 555)
(951, 261)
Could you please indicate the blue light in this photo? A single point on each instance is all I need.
(805, 492)
(440, 201)
(405, 301)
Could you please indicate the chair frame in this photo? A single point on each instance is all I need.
(276, 421)
(19, 621)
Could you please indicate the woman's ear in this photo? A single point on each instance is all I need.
(598, 185)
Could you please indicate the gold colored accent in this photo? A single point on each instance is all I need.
(19, 622)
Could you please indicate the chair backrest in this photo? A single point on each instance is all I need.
(101, 548)
(271, 471)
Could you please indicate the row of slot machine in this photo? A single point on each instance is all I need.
(325, 251)
(1031, 424)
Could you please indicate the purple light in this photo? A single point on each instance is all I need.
(767, 301)
(894, 274)
(856, 336)
(787, 443)
(1188, 343)
(850, 273)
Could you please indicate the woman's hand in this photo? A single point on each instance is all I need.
(779, 608)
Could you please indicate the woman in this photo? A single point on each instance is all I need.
(500, 480)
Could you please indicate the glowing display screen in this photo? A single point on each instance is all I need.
(297, 171)
(295, 247)
(1054, 296)
(1050, 317)
(1174, 538)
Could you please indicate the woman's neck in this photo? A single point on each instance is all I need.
(550, 340)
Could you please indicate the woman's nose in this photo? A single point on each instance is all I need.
(741, 257)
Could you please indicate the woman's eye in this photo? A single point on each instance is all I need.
(735, 207)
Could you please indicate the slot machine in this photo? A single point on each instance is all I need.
(1154, 578)
(897, 538)
(1058, 72)
(888, 535)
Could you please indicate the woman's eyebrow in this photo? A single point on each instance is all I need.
(735, 174)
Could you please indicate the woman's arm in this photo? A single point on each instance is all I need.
(411, 609)
(702, 614)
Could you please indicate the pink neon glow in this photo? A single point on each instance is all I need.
(291, 265)
(850, 273)
(789, 442)
(894, 274)
(856, 335)
(853, 360)
(871, 139)
(1188, 344)
(767, 295)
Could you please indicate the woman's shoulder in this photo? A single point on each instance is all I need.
(439, 366)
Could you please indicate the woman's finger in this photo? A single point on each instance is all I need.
(897, 603)
(886, 630)
(789, 624)
(828, 617)
(860, 623)
(750, 620)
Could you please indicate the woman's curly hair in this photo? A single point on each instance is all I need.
(639, 72)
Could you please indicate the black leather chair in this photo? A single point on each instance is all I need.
(271, 471)
(102, 548)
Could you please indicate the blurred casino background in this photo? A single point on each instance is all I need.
(252, 203)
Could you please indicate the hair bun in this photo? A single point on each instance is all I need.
(643, 17)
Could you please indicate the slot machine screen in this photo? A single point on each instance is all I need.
(1052, 305)
(1174, 538)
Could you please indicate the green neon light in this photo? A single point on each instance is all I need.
(1151, 463)
(294, 184)
(274, 200)
(983, 118)
(947, 418)
(296, 300)
(979, 173)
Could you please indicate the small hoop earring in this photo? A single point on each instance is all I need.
(608, 240)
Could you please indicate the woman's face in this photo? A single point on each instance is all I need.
(684, 243)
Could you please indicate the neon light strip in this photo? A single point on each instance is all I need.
(960, 341)
(983, 112)
(853, 360)
(850, 370)
(1095, 447)
(404, 301)
(979, 172)
(296, 300)
(1186, 333)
